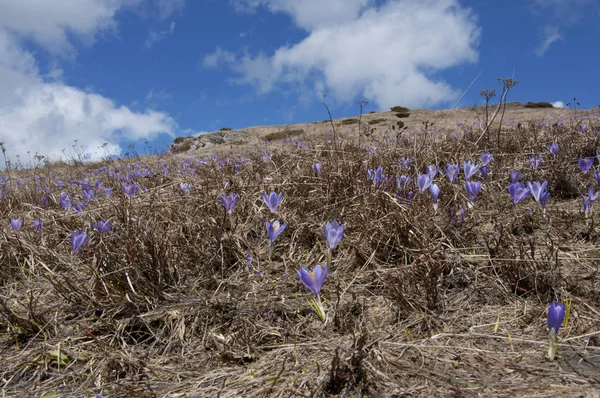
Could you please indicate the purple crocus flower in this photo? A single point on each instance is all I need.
(597, 177)
(185, 187)
(88, 193)
(556, 316)
(486, 158)
(37, 225)
(405, 162)
(537, 189)
(78, 240)
(553, 148)
(107, 192)
(544, 199)
(65, 202)
(473, 188)
(535, 161)
(452, 171)
(424, 181)
(334, 232)
(267, 156)
(272, 200)
(587, 208)
(313, 280)
(274, 230)
(376, 176)
(78, 207)
(103, 227)
(593, 195)
(514, 176)
(484, 171)
(434, 190)
(229, 201)
(518, 192)
(585, 164)
(129, 189)
(470, 169)
(402, 182)
(16, 224)
(316, 168)
(248, 259)
(432, 170)
(457, 215)
(588, 201)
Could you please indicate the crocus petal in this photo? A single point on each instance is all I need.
(556, 315)
(320, 275)
(313, 280)
(308, 280)
(434, 190)
(334, 232)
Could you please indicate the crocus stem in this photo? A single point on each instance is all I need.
(329, 259)
(320, 310)
(270, 251)
(551, 345)
(232, 225)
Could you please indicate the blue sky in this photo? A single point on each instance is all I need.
(117, 72)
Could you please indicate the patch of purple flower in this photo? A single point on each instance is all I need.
(470, 169)
(535, 161)
(518, 192)
(585, 164)
(272, 200)
(78, 240)
(452, 171)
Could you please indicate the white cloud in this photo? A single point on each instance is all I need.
(166, 8)
(311, 14)
(220, 55)
(550, 35)
(567, 12)
(558, 104)
(154, 37)
(157, 95)
(308, 14)
(557, 17)
(50, 22)
(382, 53)
(38, 111)
(247, 6)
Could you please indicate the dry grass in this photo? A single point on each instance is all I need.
(418, 304)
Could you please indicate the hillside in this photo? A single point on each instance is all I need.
(201, 273)
(374, 123)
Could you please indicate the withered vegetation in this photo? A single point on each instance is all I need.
(419, 303)
(283, 134)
